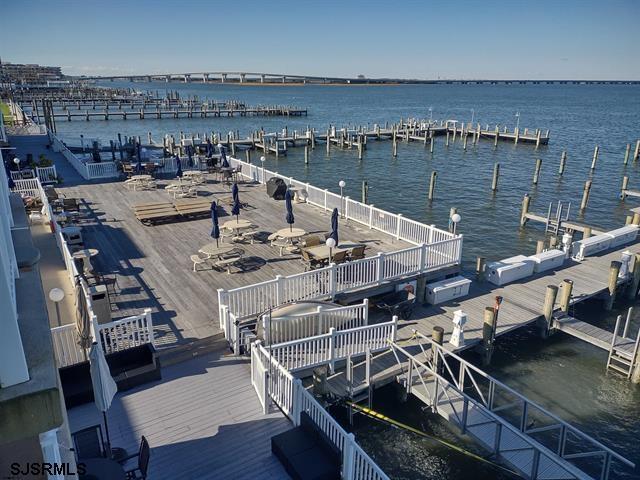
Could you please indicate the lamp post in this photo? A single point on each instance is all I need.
(16, 160)
(342, 184)
(331, 243)
(262, 160)
(517, 120)
(455, 218)
(56, 295)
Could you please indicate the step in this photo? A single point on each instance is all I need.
(189, 350)
(626, 362)
(619, 369)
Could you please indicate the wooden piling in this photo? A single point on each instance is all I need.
(432, 184)
(536, 174)
(625, 185)
(587, 233)
(636, 152)
(497, 135)
(627, 152)
(636, 219)
(431, 142)
(488, 334)
(525, 209)
(632, 291)
(547, 310)
(539, 246)
(595, 157)
(566, 288)
(395, 146)
(365, 192)
(306, 155)
(614, 270)
(585, 195)
(563, 161)
(496, 175)
(464, 143)
(481, 265)
(360, 147)
(446, 143)
(328, 141)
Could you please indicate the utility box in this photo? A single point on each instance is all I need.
(621, 236)
(548, 260)
(100, 302)
(509, 270)
(448, 289)
(590, 246)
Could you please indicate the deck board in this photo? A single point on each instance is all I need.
(203, 420)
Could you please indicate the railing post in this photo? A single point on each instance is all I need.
(366, 311)
(348, 457)
(296, 406)
(346, 208)
(149, 322)
(394, 328)
(265, 391)
(332, 349)
(535, 464)
(279, 287)
(333, 280)
(423, 257)
(380, 267)
(325, 199)
(398, 222)
(370, 216)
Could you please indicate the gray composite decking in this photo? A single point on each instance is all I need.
(152, 263)
(203, 421)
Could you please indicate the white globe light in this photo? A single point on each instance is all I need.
(262, 159)
(341, 183)
(455, 218)
(56, 294)
(331, 243)
(16, 161)
(219, 145)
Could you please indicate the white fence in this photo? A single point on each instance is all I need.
(393, 224)
(45, 174)
(327, 282)
(88, 171)
(273, 382)
(126, 333)
(329, 348)
(65, 345)
(29, 129)
(30, 187)
(318, 322)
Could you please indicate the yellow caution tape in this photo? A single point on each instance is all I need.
(383, 418)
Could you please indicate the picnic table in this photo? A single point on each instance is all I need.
(291, 233)
(322, 252)
(213, 250)
(86, 255)
(237, 225)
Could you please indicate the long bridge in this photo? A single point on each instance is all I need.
(269, 78)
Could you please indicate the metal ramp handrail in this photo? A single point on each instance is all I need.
(463, 370)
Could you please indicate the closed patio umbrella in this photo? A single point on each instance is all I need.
(104, 387)
(334, 225)
(209, 148)
(83, 322)
(215, 230)
(190, 156)
(235, 209)
(223, 156)
(289, 206)
(179, 165)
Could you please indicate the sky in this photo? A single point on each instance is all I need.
(462, 39)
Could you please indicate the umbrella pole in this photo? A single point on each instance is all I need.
(106, 431)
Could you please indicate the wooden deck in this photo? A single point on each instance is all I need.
(594, 335)
(523, 300)
(152, 263)
(203, 420)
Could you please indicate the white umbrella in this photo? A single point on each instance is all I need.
(104, 387)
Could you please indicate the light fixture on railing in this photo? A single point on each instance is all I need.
(455, 218)
(331, 243)
(262, 160)
(342, 184)
(56, 295)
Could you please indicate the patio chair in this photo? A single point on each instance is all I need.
(127, 169)
(249, 236)
(197, 260)
(310, 241)
(226, 263)
(281, 244)
(309, 262)
(226, 233)
(89, 443)
(339, 257)
(357, 252)
(143, 456)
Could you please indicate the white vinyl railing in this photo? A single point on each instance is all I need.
(329, 348)
(88, 171)
(127, 332)
(329, 281)
(375, 218)
(28, 186)
(272, 381)
(102, 170)
(45, 174)
(318, 322)
(65, 345)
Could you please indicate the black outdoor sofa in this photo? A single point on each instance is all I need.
(306, 452)
(129, 368)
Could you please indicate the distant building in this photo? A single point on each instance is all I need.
(29, 74)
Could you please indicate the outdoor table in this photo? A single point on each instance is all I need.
(213, 250)
(321, 252)
(86, 255)
(237, 225)
(102, 469)
(289, 234)
(141, 177)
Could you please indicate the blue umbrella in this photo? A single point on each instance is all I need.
(334, 225)
(235, 209)
(223, 156)
(287, 201)
(179, 165)
(215, 231)
(190, 155)
(209, 148)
